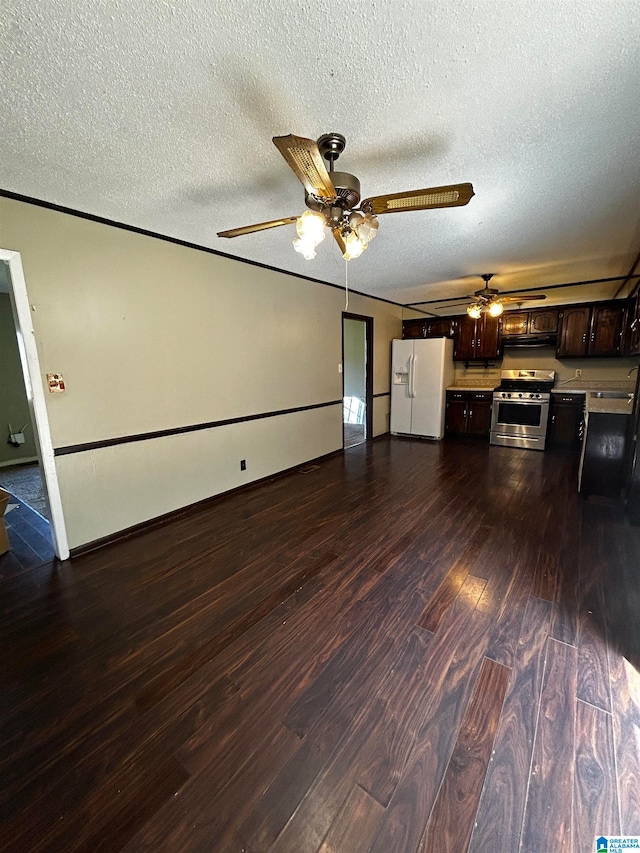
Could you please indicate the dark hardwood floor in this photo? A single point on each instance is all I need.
(413, 646)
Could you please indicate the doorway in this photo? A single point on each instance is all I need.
(33, 519)
(357, 379)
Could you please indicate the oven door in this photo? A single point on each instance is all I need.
(520, 417)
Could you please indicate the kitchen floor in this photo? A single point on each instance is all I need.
(413, 646)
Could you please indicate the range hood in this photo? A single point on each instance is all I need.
(530, 341)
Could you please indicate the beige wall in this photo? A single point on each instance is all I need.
(14, 407)
(151, 336)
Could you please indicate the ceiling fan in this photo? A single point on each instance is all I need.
(488, 299)
(334, 200)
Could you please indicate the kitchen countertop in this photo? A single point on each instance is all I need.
(577, 386)
(609, 405)
(468, 387)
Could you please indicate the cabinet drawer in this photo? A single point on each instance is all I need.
(456, 395)
(570, 399)
(484, 396)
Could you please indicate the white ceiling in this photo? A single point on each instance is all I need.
(160, 114)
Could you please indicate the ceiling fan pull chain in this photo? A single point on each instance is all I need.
(346, 283)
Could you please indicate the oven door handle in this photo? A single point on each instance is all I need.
(522, 402)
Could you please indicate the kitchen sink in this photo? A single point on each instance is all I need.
(612, 395)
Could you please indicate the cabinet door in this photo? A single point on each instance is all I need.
(573, 341)
(606, 330)
(543, 321)
(632, 343)
(456, 416)
(439, 328)
(515, 323)
(414, 329)
(464, 346)
(479, 417)
(565, 423)
(488, 337)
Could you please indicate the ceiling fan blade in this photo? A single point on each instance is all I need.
(303, 155)
(337, 236)
(452, 195)
(524, 298)
(260, 226)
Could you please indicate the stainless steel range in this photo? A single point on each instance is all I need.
(521, 408)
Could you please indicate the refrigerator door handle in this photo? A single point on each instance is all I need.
(412, 376)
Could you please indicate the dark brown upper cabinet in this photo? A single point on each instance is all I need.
(591, 330)
(607, 324)
(441, 327)
(632, 338)
(414, 329)
(515, 323)
(542, 321)
(573, 340)
(476, 339)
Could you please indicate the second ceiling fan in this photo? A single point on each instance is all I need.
(334, 200)
(488, 299)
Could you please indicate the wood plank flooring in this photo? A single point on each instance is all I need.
(413, 646)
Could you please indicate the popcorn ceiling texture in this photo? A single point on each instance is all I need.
(160, 115)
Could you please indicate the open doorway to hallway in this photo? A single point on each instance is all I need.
(357, 378)
(32, 523)
(26, 515)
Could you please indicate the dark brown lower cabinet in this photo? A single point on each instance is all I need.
(469, 413)
(603, 457)
(566, 421)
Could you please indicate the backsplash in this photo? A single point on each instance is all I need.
(593, 369)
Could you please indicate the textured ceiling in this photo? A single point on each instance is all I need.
(160, 114)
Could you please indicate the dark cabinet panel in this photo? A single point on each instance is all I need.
(464, 346)
(469, 413)
(604, 455)
(632, 326)
(487, 336)
(442, 328)
(543, 321)
(566, 421)
(476, 339)
(573, 341)
(515, 323)
(606, 329)
(479, 421)
(414, 329)
(456, 416)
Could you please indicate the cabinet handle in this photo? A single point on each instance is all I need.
(584, 338)
(470, 413)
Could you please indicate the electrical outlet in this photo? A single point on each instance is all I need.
(578, 374)
(243, 464)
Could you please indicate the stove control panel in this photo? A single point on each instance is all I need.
(520, 395)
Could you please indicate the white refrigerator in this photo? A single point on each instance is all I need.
(421, 371)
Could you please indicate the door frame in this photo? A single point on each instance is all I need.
(36, 397)
(368, 370)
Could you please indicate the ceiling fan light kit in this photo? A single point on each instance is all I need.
(334, 199)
